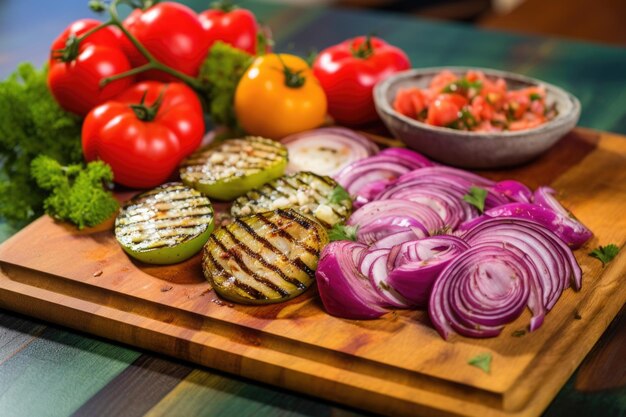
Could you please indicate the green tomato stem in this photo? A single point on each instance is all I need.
(293, 79)
(153, 63)
(72, 44)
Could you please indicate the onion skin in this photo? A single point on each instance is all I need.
(344, 291)
(479, 292)
(573, 233)
(416, 265)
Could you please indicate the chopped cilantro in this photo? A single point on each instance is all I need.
(338, 195)
(482, 361)
(342, 232)
(476, 197)
(605, 253)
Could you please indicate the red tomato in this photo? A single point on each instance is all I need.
(237, 27)
(172, 33)
(445, 109)
(74, 75)
(144, 144)
(348, 72)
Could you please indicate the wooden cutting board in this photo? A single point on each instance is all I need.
(397, 365)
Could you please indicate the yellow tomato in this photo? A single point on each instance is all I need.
(279, 95)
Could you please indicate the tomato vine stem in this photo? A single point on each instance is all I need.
(152, 64)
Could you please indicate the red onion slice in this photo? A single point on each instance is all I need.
(410, 157)
(358, 176)
(378, 219)
(327, 150)
(573, 232)
(344, 291)
(512, 190)
(395, 239)
(415, 265)
(552, 263)
(479, 292)
(374, 265)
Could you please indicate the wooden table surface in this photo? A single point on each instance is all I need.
(47, 370)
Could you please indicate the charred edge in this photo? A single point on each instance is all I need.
(291, 215)
(274, 249)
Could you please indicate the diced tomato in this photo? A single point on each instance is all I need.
(441, 80)
(475, 102)
(445, 109)
(410, 102)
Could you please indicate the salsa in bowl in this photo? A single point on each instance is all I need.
(447, 114)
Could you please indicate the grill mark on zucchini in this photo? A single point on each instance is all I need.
(302, 221)
(303, 191)
(165, 217)
(251, 292)
(258, 153)
(291, 239)
(270, 185)
(300, 265)
(242, 265)
(267, 265)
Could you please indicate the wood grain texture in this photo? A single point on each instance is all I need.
(297, 346)
(605, 367)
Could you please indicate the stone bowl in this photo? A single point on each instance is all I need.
(475, 149)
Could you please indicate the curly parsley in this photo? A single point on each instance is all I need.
(31, 124)
(76, 192)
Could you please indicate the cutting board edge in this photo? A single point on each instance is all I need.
(98, 320)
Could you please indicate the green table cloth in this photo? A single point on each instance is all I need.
(47, 370)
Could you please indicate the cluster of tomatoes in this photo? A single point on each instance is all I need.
(134, 81)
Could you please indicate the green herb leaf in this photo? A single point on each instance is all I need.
(31, 124)
(77, 193)
(342, 232)
(220, 73)
(605, 253)
(535, 96)
(476, 197)
(338, 195)
(482, 361)
(463, 86)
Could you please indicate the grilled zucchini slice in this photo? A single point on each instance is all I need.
(165, 225)
(231, 168)
(309, 193)
(264, 258)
